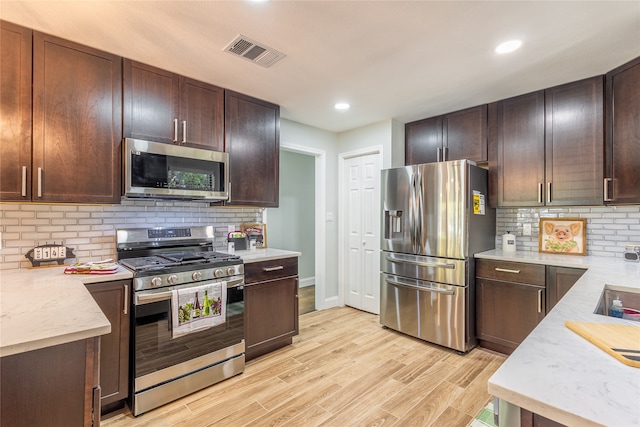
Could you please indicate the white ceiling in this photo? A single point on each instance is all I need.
(404, 60)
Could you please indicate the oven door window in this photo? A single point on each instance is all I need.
(155, 349)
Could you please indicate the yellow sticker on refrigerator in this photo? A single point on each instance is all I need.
(478, 203)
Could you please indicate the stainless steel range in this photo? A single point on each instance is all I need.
(188, 300)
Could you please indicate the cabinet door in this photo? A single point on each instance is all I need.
(113, 300)
(559, 281)
(271, 314)
(423, 141)
(252, 139)
(77, 122)
(151, 98)
(465, 134)
(623, 134)
(15, 111)
(201, 114)
(575, 143)
(507, 312)
(521, 150)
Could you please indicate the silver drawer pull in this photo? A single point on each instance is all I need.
(506, 270)
(279, 267)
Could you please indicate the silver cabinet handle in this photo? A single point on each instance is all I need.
(125, 309)
(420, 288)
(539, 192)
(539, 300)
(438, 154)
(506, 270)
(184, 131)
(548, 192)
(267, 269)
(24, 181)
(175, 130)
(40, 182)
(421, 264)
(606, 190)
(445, 151)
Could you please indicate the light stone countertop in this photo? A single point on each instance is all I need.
(560, 375)
(44, 307)
(266, 254)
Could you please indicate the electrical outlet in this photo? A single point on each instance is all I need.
(526, 229)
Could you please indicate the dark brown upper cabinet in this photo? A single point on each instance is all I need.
(454, 136)
(252, 139)
(574, 143)
(423, 141)
(165, 107)
(623, 134)
(520, 153)
(550, 145)
(15, 111)
(77, 122)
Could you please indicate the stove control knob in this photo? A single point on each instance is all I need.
(196, 275)
(156, 281)
(172, 279)
(231, 271)
(217, 272)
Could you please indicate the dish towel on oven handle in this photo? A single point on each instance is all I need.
(186, 318)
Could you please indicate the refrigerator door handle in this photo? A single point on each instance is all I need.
(419, 206)
(420, 288)
(421, 264)
(413, 213)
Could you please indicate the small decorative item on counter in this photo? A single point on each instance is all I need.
(508, 242)
(237, 241)
(616, 309)
(49, 253)
(257, 233)
(99, 267)
(565, 236)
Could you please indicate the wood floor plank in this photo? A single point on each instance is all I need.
(343, 370)
(432, 405)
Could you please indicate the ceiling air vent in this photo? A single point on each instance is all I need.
(253, 51)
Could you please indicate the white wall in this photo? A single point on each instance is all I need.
(388, 133)
(297, 134)
(291, 226)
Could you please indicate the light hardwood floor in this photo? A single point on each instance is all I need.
(343, 369)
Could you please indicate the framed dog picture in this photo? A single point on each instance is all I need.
(257, 232)
(567, 236)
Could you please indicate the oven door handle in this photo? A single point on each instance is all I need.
(147, 298)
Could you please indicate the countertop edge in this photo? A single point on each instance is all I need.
(267, 254)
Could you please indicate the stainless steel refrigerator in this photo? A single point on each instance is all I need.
(435, 217)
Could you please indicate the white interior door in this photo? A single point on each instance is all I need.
(362, 217)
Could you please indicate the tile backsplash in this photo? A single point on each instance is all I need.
(609, 229)
(91, 229)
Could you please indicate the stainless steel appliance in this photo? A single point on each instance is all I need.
(164, 367)
(156, 170)
(435, 218)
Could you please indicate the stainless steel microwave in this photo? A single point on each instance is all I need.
(157, 170)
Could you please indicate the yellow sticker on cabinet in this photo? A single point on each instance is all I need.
(478, 203)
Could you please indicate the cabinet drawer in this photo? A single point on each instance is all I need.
(511, 271)
(269, 270)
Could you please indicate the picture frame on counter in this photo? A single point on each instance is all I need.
(256, 232)
(565, 236)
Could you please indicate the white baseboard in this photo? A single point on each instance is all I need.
(308, 281)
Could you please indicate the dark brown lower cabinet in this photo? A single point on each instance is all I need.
(271, 305)
(559, 281)
(113, 300)
(529, 419)
(507, 312)
(55, 386)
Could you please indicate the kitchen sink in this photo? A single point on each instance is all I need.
(630, 298)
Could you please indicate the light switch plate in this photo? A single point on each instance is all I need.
(526, 229)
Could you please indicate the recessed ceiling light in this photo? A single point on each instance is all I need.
(509, 46)
(342, 106)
